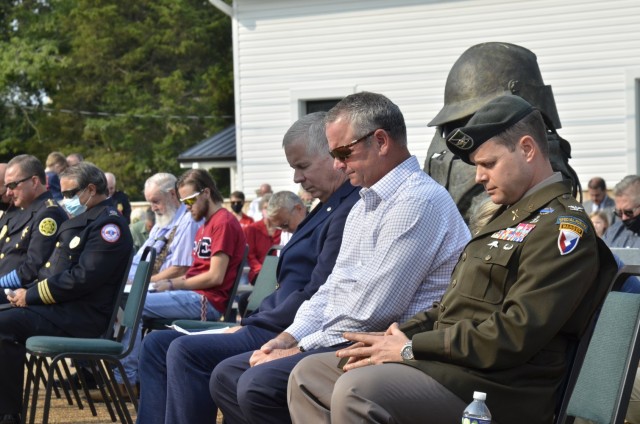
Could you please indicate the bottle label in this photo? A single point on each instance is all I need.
(466, 420)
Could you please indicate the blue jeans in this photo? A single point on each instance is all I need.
(174, 304)
(257, 394)
(175, 371)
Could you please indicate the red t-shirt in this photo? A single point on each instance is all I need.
(221, 233)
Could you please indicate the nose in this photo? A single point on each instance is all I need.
(339, 165)
(481, 176)
(298, 176)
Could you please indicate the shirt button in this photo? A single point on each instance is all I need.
(464, 256)
(57, 244)
(8, 239)
(454, 282)
(442, 307)
(487, 258)
(1, 255)
(47, 265)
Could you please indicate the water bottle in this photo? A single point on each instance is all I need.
(477, 411)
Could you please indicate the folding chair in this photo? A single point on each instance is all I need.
(266, 283)
(229, 315)
(100, 352)
(600, 386)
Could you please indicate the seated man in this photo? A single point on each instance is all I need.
(172, 237)
(624, 232)
(27, 235)
(400, 244)
(522, 293)
(175, 370)
(74, 295)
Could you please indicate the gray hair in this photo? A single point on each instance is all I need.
(367, 112)
(309, 130)
(283, 200)
(628, 186)
(163, 180)
(86, 173)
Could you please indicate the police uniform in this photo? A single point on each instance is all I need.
(27, 238)
(121, 203)
(74, 295)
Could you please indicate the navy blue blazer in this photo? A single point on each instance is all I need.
(306, 260)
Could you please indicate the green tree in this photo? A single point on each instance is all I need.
(129, 84)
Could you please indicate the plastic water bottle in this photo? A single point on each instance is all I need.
(477, 411)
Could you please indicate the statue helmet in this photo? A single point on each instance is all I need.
(489, 70)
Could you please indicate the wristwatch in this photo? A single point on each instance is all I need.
(407, 350)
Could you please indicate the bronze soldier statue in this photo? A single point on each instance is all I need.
(482, 73)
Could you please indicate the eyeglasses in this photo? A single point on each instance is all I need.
(68, 194)
(191, 199)
(342, 153)
(626, 212)
(13, 185)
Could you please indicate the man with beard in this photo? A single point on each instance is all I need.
(218, 248)
(172, 237)
(624, 232)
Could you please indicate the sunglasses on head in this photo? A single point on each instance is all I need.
(68, 194)
(191, 199)
(626, 212)
(342, 153)
(14, 184)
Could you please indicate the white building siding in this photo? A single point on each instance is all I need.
(588, 50)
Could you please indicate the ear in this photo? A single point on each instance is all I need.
(383, 140)
(529, 147)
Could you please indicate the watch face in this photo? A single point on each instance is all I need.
(407, 352)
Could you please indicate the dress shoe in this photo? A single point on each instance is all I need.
(10, 419)
(96, 394)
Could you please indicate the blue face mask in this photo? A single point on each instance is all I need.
(73, 206)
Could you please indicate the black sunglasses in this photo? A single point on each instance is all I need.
(342, 153)
(626, 212)
(68, 194)
(14, 184)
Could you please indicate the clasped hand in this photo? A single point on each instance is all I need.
(373, 348)
(282, 346)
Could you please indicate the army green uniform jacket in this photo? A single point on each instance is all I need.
(520, 297)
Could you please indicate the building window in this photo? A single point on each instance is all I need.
(323, 105)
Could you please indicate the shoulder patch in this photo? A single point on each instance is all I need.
(110, 233)
(573, 223)
(567, 241)
(48, 227)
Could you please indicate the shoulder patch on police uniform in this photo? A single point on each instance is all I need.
(48, 227)
(110, 233)
(571, 231)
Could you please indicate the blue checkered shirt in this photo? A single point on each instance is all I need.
(401, 242)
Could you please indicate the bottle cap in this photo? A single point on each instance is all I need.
(479, 395)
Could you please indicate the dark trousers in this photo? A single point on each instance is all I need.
(174, 372)
(16, 326)
(257, 394)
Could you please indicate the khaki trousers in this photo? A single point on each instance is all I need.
(319, 392)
